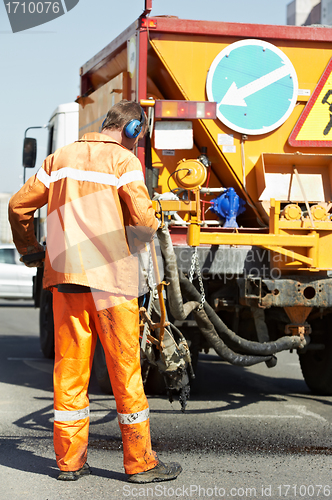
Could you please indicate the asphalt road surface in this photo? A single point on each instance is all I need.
(247, 432)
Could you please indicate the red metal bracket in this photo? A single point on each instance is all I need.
(148, 7)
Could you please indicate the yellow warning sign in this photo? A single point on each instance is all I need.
(314, 127)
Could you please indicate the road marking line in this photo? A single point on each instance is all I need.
(26, 359)
(261, 416)
(303, 409)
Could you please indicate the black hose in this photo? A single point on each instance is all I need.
(221, 348)
(265, 349)
(178, 309)
(219, 335)
(207, 329)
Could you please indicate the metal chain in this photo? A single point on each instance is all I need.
(151, 280)
(201, 286)
(195, 267)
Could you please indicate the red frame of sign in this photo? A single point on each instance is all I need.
(292, 138)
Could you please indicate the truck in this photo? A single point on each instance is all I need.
(237, 162)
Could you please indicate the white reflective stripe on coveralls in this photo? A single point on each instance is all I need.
(70, 416)
(133, 418)
(89, 176)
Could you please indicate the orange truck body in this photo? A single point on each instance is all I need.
(283, 171)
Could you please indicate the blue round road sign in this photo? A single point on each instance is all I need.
(255, 86)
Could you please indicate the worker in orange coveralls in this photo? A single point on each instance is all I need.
(96, 196)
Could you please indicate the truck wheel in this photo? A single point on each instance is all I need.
(155, 383)
(46, 326)
(100, 369)
(316, 366)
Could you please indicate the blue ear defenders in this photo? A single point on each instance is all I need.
(133, 128)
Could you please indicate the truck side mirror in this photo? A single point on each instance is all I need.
(29, 152)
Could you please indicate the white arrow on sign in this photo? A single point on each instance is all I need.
(235, 96)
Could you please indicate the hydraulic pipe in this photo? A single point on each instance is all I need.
(209, 332)
(178, 309)
(180, 285)
(262, 349)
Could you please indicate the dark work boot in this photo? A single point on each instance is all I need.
(69, 475)
(161, 472)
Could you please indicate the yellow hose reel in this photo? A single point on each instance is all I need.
(190, 174)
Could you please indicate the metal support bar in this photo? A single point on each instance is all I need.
(261, 240)
(290, 253)
(304, 195)
(174, 205)
(274, 216)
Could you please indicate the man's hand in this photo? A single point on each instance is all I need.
(31, 250)
(138, 237)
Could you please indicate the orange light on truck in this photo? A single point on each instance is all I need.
(169, 109)
(148, 23)
(186, 109)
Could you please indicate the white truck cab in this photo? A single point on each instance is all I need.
(62, 126)
(62, 130)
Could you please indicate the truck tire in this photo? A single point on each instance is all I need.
(100, 369)
(46, 325)
(155, 383)
(316, 366)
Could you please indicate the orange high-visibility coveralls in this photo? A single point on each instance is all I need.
(94, 189)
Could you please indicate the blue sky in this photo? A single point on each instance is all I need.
(40, 66)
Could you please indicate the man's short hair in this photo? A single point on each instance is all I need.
(121, 113)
